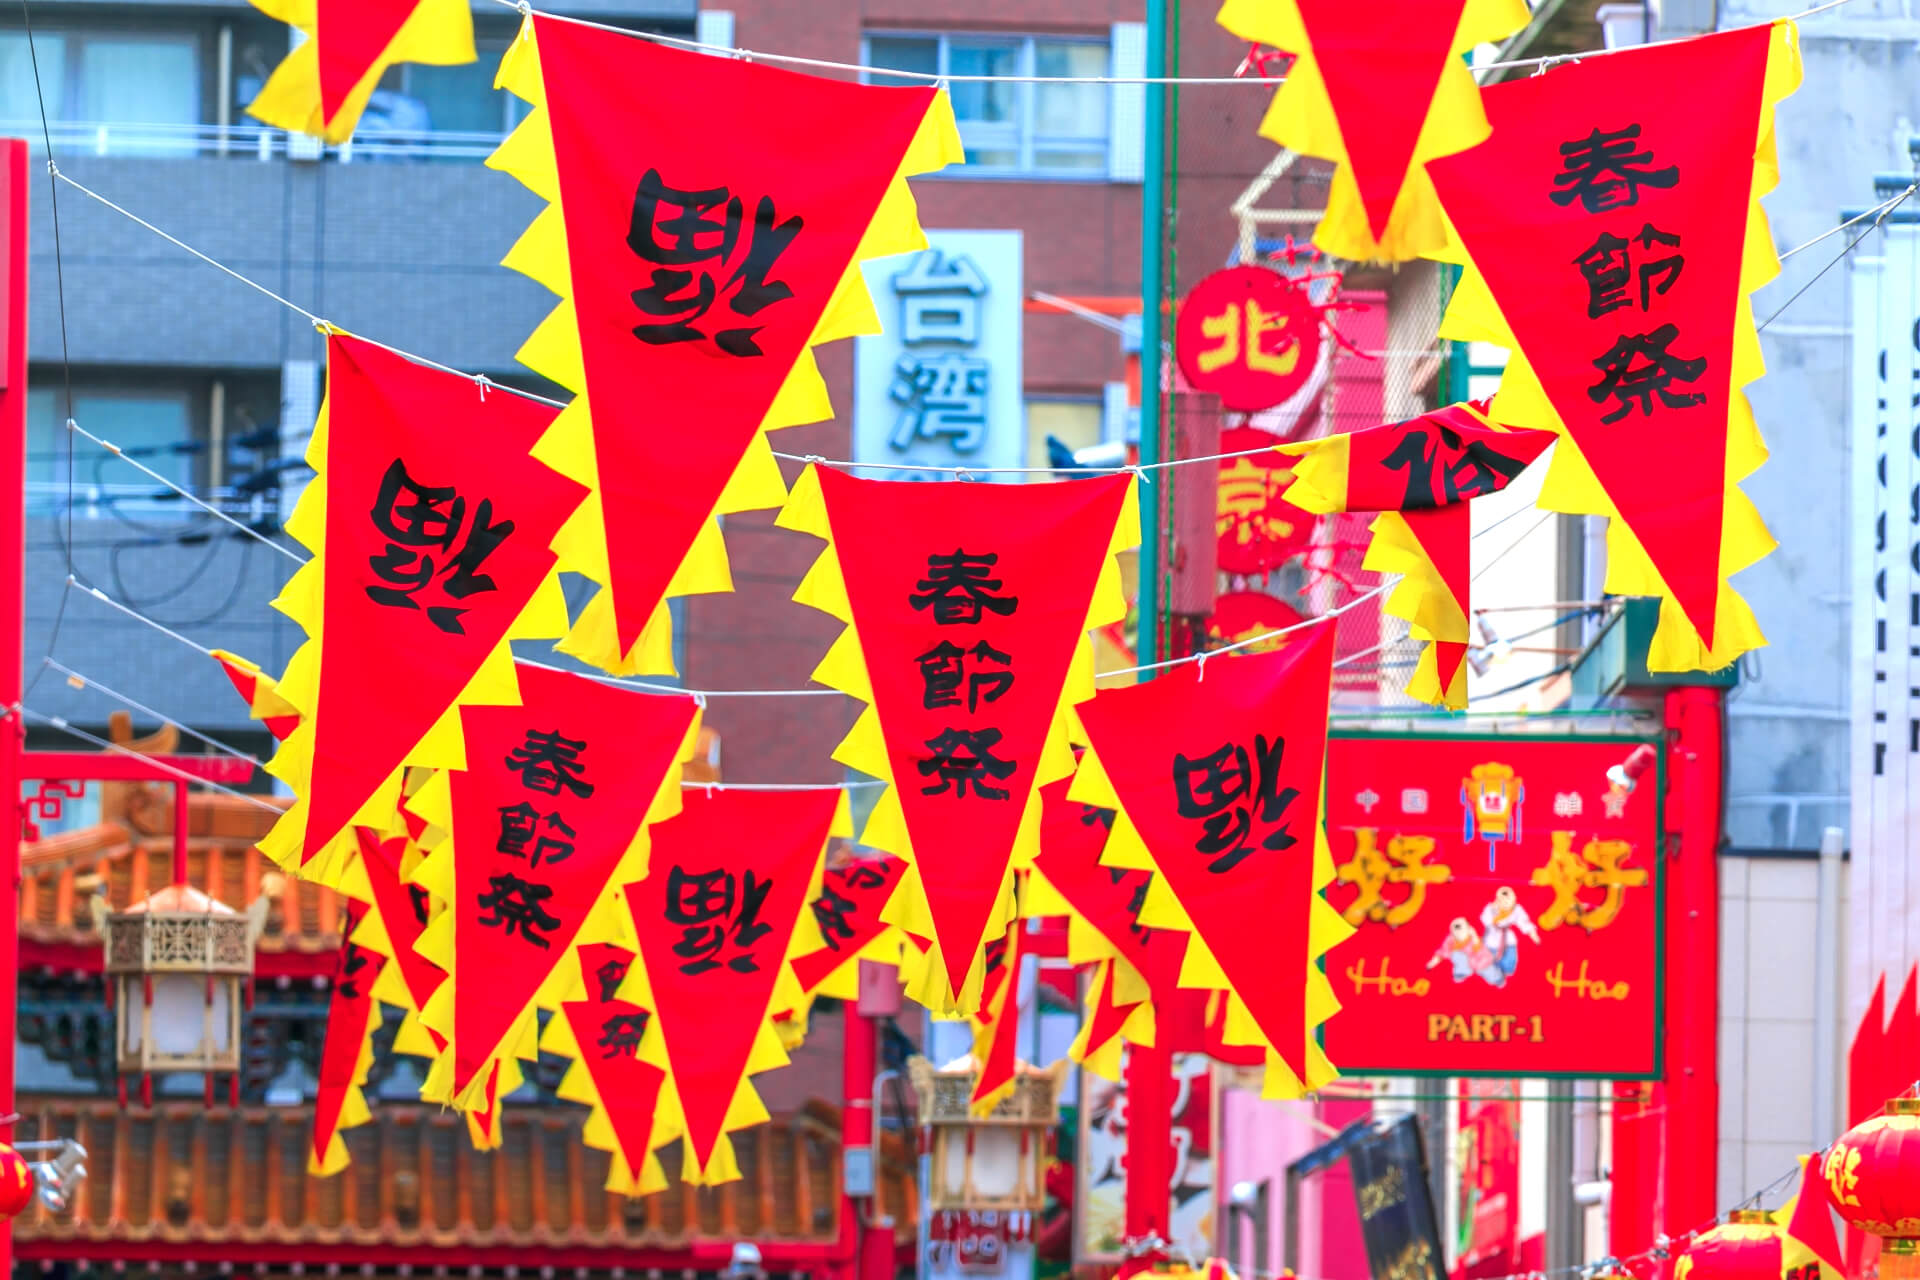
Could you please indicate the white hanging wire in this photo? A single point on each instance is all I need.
(160, 766)
(929, 77)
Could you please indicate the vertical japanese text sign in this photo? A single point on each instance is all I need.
(943, 385)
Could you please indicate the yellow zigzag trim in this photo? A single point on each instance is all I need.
(864, 748)
(553, 351)
(1570, 483)
(438, 33)
(1301, 117)
(1086, 945)
(769, 1051)
(1163, 910)
(441, 747)
(606, 921)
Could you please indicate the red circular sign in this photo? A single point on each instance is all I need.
(1248, 335)
(1257, 529)
(1240, 615)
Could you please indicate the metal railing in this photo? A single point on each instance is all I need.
(250, 141)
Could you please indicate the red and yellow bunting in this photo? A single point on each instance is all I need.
(996, 1024)
(323, 85)
(353, 1015)
(716, 920)
(968, 607)
(695, 274)
(1380, 90)
(1215, 779)
(1611, 232)
(261, 693)
(550, 813)
(1420, 475)
(632, 1115)
(844, 925)
(430, 524)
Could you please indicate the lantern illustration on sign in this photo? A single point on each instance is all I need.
(181, 968)
(1871, 1180)
(1745, 1247)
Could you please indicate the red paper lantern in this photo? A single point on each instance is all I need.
(1248, 335)
(16, 1182)
(1873, 1178)
(1746, 1247)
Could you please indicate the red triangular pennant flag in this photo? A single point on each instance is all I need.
(551, 804)
(847, 913)
(433, 552)
(715, 918)
(352, 1014)
(697, 271)
(1609, 217)
(996, 1026)
(1865, 1076)
(608, 1032)
(1811, 1226)
(967, 605)
(1217, 774)
(404, 912)
(1072, 837)
(350, 36)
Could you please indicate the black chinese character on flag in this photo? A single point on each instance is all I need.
(1229, 790)
(346, 974)
(690, 236)
(1442, 466)
(944, 668)
(546, 762)
(514, 905)
(421, 902)
(707, 906)
(1136, 900)
(527, 833)
(421, 525)
(832, 913)
(1639, 367)
(1608, 268)
(609, 976)
(963, 758)
(958, 588)
(621, 1033)
(1605, 170)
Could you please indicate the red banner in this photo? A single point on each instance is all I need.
(607, 1031)
(1489, 1211)
(437, 525)
(1248, 335)
(715, 918)
(1256, 528)
(352, 1013)
(847, 913)
(548, 808)
(1506, 899)
(404, 912)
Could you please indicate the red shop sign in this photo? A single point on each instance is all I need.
(1248, 335)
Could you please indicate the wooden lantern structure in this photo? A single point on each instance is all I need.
(991, 1162)
(180, 971)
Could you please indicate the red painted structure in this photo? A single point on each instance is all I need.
(13, 540)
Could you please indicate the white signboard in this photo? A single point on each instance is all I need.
(942, 386)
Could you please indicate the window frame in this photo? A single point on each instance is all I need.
(1020, 132)
(77, 32)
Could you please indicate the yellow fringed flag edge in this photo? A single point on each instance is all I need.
(354, 1111)
(864, 748)
(1301, 117)
(1570, 484)
(553, 350)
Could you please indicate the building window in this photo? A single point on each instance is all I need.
(139, 91)
(154, 425)
(1012, 127)
(414, 99)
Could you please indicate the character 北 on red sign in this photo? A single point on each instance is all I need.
(706, 225)
(1611, 232)
(1248, 335)
(1506, 900)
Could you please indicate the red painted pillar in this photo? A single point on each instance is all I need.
(13, 489)
(858, 1055)
(1690, 1123)
(1149, 1158)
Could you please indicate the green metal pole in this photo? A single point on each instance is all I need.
(1153, 204)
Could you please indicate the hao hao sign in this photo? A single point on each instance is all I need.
(1506, 897)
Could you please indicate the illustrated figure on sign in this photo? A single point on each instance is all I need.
(1502, 921)
(1470, 958)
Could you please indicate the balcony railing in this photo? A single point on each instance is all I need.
(250, 142)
